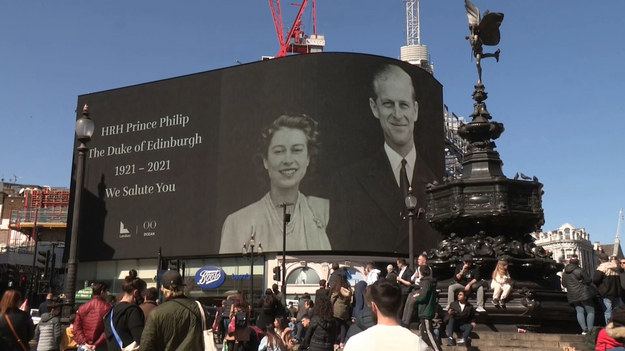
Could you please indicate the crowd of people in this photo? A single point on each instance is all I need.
(375, 313)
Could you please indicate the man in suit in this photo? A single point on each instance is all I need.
(367, 205)
(404, 282)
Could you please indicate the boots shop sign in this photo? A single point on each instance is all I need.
(210, 277)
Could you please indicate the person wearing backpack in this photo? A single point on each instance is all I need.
(123, 324)
(239, 333)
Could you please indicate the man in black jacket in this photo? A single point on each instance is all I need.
(461, 319)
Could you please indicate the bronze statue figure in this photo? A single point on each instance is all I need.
(484, 31)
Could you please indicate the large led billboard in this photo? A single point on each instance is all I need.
(195, 165)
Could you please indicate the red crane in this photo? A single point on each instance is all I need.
(296, 41)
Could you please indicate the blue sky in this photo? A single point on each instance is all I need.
(558, 87)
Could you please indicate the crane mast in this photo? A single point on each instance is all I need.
(617, 239)
(296, 41)
(413, 52)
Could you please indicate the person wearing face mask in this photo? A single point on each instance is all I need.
(289, 145)
(123, 324)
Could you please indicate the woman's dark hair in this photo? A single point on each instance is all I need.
(323, 308)
(151, 294)
(273, 339)
(304, 123)
(282, 322)
(98, 288)
(132, 283)
(340, 281)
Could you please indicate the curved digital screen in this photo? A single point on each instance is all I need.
(196, 165)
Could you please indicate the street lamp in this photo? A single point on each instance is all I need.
(411, 205)
(248, 247)
(286, 218)
(84, 131)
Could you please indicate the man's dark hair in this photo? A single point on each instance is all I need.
(322, 283)
(151, 294)
(425, 271)
(387, 297)
(98, 288)
(335, 266)
(403, 261)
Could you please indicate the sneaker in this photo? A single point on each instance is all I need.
(446, 308)
(461, 341)
(584, 332)
(451, 342)
(496, 302)
(480, 309)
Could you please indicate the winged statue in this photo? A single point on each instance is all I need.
(484, 31)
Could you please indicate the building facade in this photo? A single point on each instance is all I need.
(566, 241)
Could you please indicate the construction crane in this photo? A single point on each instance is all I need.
(413, 52)
(296, 41)
(617, 240)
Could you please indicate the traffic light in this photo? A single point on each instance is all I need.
(276, 273)
(23, 281)
(43, 257)
(174, 265)
(11, 273)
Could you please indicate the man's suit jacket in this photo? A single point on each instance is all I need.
(406, 275)
(366, 207)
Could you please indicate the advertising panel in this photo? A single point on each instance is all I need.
(195, 165)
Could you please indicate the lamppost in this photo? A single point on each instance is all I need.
(286, 218)
(248, 247)
(411, 206)
(84, 131)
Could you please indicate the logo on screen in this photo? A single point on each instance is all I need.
(210, 277)
(123, 231)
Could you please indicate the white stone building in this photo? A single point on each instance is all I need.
(567, 240)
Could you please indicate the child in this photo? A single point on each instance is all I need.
(501, 284)
(67, 339)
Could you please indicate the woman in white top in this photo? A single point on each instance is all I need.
(501, 284)
(289, 144)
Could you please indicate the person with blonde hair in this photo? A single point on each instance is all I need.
(501, 284)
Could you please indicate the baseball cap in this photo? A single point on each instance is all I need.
(172, 280)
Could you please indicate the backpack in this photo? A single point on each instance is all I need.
(240, 320)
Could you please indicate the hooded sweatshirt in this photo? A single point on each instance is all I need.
(577, 283)
(606, 279)
(48, 332)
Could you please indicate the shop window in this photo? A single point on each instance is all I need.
(303, 276)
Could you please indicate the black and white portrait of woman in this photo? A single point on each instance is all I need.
(289, 145)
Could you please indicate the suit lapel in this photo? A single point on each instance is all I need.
(379, 182)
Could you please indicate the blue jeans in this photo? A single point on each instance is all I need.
(463, 329)
(585, 322)
(610, 303)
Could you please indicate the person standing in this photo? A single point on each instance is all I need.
(151, 295)
(322, 332)
(387, 334)
(12, 318)
(43, 307)
(323, 289)
(341, 296)
(373, 274)
(177, 323)
(404, 282)
(124, 322)
(579, 293)
(425, 299)
(48, 331)
(608, 283)
(89, 323)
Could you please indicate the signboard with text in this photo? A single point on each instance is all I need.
(197, 164)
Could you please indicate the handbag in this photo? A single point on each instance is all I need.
(207, 334)
(19, 341)
(131, 347)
